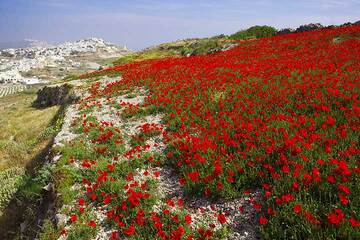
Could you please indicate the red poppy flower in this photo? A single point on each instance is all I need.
(73, 218)
(188, 219)
(344, 189)
(343, 199)
(262, 220)
(354, 222)
(81, 201)
(297, 208)
(193, 175)
(331, 179)
(335, 217)
(92, 224)
(130, 230)
(221, 218)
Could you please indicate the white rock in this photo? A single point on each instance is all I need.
(61, 219)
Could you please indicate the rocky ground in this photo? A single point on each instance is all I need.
(240, 214)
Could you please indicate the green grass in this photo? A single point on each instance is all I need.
(145, 55)
(10, 180)
(93, 76)
(26, 134)
(64, 175)
(24, 130)
(49, 231)
(175, 49)
(80, 229)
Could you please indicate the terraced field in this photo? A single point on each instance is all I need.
(8, 89)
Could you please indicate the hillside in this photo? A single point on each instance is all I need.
(185, 47)
(257, 139)
(44, 63)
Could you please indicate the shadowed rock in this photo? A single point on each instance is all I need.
(51, 96)
(285, 31)
(309, 27)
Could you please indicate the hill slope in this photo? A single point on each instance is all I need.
(279, 114)
(260, 141)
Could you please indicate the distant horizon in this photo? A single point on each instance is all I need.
(13, 44)
(140, 23)
(24, 43)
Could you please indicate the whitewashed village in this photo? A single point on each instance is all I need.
(44, 63)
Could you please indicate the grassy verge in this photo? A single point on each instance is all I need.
(26, 136)
(24, 131)
(176, 49)
(145, 55)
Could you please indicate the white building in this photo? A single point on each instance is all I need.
(10, 76)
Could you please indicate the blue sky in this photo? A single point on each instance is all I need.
(142, 23)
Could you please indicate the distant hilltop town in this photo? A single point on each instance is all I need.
(44, 62)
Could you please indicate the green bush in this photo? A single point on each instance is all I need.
(254, 32)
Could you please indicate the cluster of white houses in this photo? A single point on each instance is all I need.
(70, 55)
(13, 76)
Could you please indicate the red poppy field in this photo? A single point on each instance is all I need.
(276, 115)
